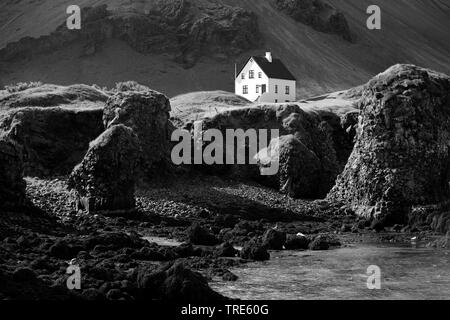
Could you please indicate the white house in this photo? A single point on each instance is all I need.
(265, 79)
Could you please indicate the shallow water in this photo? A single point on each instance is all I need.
(406, 273)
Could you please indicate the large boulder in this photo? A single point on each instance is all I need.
(402, 152)
(147, 113)
(105, 179)
(12, 185)
(53, 124)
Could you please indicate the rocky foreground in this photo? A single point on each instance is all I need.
(103, 182)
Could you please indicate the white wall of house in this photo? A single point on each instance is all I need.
(259, 79)
(278, 93)
(253, 93)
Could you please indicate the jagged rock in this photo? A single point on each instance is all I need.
(226, 250)
(105, 179)
(200, 236)
(402, 153)
(147, 113)
(175, 283)
(53, 124)
(318, 14)
(12, 185)
(274, 239)
(296, 242)
(255, 250)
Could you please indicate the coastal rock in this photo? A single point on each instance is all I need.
(226, 250)
(200, 236)
(175, 283)
(305, 150)
(296, 242)
(53, 124)
(402, 152)
(105, 179)
(274, 239)
(147, 114)
(255, 250)
(12, 185)
(323, 242)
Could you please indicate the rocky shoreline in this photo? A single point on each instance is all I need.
(388, 154)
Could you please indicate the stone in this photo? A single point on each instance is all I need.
(147, 114)
(402, 148)
(255, 250)
(226, 249)
(274, 239)
(200, 236)
(12, 185)
(105, 180)
(175, 283)
(323, 242)
(296, 242)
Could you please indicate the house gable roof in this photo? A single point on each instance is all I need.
(275, 69)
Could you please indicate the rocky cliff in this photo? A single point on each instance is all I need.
(184, 29)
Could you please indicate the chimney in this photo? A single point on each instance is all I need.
(269, 56)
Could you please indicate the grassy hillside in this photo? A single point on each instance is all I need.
(413, 31)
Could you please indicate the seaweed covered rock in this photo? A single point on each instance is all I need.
(12, 185)
(402, 152)
(147, 113)
(105, 179)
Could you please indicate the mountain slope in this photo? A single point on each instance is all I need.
(413, 31)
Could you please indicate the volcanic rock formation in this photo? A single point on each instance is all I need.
(402, 152)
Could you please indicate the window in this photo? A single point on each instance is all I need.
(276, 88)
(260, 75)
(287, 89)
(243, 76)
(244, 89)
(257, 88)
(251, 74)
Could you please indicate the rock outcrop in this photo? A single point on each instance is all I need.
(12, 185)
(105, 180)
(53, 124)
(184, 29)
(318, 14)
(402, 152)
(308, 165)
(147, 114)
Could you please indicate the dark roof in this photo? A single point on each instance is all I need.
(275, 69)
